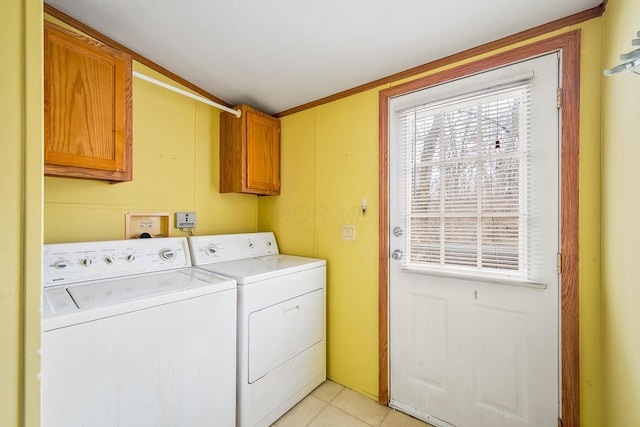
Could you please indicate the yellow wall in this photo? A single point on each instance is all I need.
(330, 163)
(11, 117)
(175, 168)
(20, 192)
(621, 201)
(589, 223)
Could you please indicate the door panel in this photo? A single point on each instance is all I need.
(470, 349)
(427, 357)
(282, 331)
(500, 349)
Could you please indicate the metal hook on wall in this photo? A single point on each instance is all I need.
(632, 58)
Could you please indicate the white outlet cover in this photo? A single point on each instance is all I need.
(348, 232)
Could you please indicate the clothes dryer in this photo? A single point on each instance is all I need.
(281, 321)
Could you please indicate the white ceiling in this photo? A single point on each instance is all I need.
(279, 54)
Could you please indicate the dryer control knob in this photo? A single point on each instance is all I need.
(109, 260)
(130, 258)
(86, 262)
(61, 264)
(212, 250)
(167, 254)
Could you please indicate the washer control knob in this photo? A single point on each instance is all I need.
(61, 264)
(251, 244)
(269, 243)
(130, 258)
(86, 262)
(167, 254)
(212, 250)
(109, 260)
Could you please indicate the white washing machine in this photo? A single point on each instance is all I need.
(134, 336)
(281, 321)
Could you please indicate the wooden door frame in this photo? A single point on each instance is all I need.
(569, 46)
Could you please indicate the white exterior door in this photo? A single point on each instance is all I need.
(474, 238)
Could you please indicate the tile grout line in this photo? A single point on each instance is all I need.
(360, 419)
(329, 402)
(386, 416)
(319, 412)
(351, 415)
(326, 403)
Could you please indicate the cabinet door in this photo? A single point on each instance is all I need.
(263, 152)
(87, 107)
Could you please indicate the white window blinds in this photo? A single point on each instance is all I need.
(467, 193)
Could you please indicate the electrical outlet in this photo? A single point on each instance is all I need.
(185, 220)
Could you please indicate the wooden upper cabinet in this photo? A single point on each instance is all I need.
(249, 152)
(87, 107)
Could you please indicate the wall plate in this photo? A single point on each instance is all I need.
(348, 232)
(185, 220)
(153, 224)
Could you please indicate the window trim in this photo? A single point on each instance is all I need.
(568, 44)
(474, 275)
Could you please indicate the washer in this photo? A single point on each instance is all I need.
(281, 321)
(135, 336)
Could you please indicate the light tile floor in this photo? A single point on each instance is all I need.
(332, 405)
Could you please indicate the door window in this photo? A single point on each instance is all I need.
(466, 170)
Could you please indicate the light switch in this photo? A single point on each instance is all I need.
(348, 232)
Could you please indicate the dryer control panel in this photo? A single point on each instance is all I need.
(66, 263)
(231, 247)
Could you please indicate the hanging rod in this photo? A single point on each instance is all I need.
(187, 94)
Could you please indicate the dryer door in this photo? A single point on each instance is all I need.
(282, 331)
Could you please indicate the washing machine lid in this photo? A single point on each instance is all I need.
(85, 301)
(117, 291)
(251, 270)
